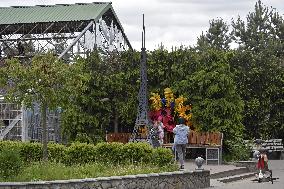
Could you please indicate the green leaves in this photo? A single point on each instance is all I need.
(45, 79)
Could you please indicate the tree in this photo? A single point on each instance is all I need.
(217, 36)
(258, 68)
(111, 98)
(262, 31)
(47, 81)
(216, 104)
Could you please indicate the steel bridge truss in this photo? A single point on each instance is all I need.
(65, 39)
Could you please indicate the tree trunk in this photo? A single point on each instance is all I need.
(44, 131)
(115, 122)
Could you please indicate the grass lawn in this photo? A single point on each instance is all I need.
(40, 171)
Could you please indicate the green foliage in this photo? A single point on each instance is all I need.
(137, 152)
(12, 145)
(237, 150)
(47, 81)
(83, 153)
(162, 157)
(39, 171)
(258, 66)
(216, 104)
(56, 152)
(10, 162)
(79, 153)
(110, 98)
(110, 152)
(216, 37)
(31, 151)
(262, 31)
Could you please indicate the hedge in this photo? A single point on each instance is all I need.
(81, 153)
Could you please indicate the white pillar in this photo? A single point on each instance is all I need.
(24, 120)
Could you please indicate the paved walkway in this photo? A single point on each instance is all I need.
(277, 166)
(190, 165)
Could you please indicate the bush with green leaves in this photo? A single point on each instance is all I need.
(10, 162)
(31, 151)
(56, 152)
(237, 150)
(110, 152)
(162, 157)
(82, 153)
(139, 152)
(79, 153)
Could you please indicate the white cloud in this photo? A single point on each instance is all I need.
(172, 22)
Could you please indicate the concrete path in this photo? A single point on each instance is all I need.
(190, 165)
(277, 166)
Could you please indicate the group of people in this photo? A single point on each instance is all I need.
(181, 132)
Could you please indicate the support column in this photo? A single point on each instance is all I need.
(24, 124)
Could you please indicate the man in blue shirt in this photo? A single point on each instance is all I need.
(181, 132)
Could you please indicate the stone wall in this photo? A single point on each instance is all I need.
(170, 180)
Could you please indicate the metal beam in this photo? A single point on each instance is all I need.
(10, 126)
(40, 38)
(76, 39)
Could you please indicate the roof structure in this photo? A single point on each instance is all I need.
(84, 24)
(68, 30)
(52, 13)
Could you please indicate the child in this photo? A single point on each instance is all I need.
(262, 163)
(156, 134)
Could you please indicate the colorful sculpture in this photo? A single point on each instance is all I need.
(169, 109)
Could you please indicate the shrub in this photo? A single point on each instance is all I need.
(10, 162)
(12, 145)
(109, 152)
(162, 157)
(56, 152)
(237, 150)
(140, 152)
(31, 151)
(79, 153)
(103, 153)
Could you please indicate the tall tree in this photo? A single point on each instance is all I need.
(259, 70)
(263, 30)
(217, 106)
(111, 98)
(217, 36)
(47, 81)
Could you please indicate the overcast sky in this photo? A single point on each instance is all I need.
(171, 22)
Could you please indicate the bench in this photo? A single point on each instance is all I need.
(211, 141)
(118, 137)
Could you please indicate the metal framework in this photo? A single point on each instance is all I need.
(141, 127)
(67, 39)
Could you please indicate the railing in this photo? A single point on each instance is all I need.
(195, 138)
(205, 138)
(118, 137)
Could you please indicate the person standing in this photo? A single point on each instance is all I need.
(181, 132)
(160, 130)
(154, 135)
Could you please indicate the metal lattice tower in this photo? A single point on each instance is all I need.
(142, 122)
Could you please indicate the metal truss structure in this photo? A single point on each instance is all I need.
(142, 127)
(66, 38)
